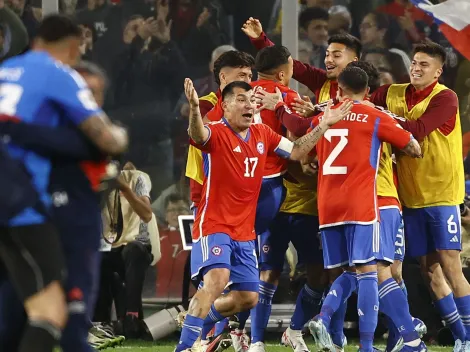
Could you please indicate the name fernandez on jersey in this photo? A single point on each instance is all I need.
(348, 156)
(234, 168)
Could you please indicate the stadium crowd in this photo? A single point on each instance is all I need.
(156, 67)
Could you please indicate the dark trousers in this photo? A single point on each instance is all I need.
(130, 263)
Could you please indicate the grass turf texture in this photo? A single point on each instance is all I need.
(272, 346)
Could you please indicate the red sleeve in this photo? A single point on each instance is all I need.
(261, 42)
(308, 75)
(379, 97)
(272, 138)
(204, 107)
(391, 132)
(211, 141)
(294, 123)
(440, 114)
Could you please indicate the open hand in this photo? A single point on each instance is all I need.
(203, 17)
(268, 100)
(304, 107)
(162, 9)
(252, 28)
(332, 116)
(191, 93)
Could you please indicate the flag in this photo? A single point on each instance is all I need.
(453, 18)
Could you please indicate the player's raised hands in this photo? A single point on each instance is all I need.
(267, 100)
(191, 93)
(252, 28)
(304, 107)
(332, 116)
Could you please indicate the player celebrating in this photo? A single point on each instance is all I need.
(235, 155)
(431, 188)
(350, 231)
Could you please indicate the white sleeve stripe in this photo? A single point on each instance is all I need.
(208, 137)
(285, 145)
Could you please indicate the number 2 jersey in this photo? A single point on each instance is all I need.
(348, 158)
(234, 168)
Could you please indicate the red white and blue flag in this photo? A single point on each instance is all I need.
(453, 18)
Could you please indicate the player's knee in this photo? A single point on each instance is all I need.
(333, 274)
(397, 271)
(248, 300)
(383, 271)
(317, 276)
(48, 305)
(270, 276)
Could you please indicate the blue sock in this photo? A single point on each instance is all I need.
(393, 303)
(242, 318)
(212, 317)
(339, 292)
(261, 312)
(367, 308)
(448, 311)
(220, 327)
(306, 307)
(463, 307)
(192, 328)
(403, 288)
(337, 324)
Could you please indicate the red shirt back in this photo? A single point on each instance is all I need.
(275, 165)
(348, 157)
(234, 169)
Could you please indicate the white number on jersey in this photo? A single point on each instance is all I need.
(328, 169)
(10, 95)
(452, 225)
(250, 166)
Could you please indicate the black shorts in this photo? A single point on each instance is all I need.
(32, 256)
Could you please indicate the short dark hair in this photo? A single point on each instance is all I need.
(432, 49)
(354, 79)
(229, 88)
(93, 69)
(311, 14)
(348, 40)
(55, 28)
(232, 58)
(372, 73)
(270, 58)
(175, 198)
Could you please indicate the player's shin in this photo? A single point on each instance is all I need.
(212, 320)
(367, 305)
(262, 311)
(448, 312)
(463, 307)
(307, 306)
(339, 292)
(337, 324)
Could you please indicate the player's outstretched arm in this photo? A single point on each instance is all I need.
(305, 144)
(196, 130)
(111, 139)
(413, 149)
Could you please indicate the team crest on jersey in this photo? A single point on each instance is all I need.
(260, 147)
(216, 250)
(266, 248)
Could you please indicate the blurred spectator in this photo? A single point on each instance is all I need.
(30, 14)
(384, 59)
(88, 40)
(96, 14)
(313, 24)
(131, 245)
(306, 55)
(340, 21)
(13, 34)
(386, 76)
(175, 205)
(325, 4)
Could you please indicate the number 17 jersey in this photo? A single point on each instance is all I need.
(348, 158)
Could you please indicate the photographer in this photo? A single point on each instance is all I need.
(130, 246)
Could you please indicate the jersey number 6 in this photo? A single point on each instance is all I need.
(328, 169)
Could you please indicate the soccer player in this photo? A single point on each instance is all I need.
(432, 188)
(235, 156)
(229, 67)
(350, 231)
(39, 87)
(275, 65)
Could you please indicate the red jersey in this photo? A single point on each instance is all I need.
(275, 165)
(348, 158)
(234, 170)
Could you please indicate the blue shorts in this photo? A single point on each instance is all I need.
(301, 230)
(218, 250)
(432, 228)
(270, 199)
(390, 221)
(350, 244)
